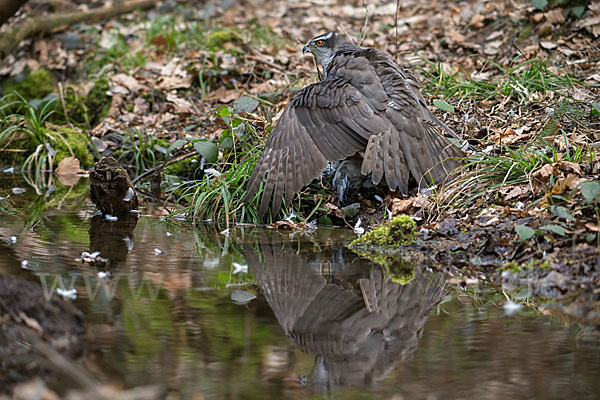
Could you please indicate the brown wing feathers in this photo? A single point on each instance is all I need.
(366, 101)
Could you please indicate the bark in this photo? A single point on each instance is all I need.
(31, 26)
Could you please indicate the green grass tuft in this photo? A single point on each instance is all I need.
(529, 80)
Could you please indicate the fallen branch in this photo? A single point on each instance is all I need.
(174, 160)
(31, 26)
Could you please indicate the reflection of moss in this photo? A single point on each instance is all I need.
(399, 231)
(36, 86)
(221, 325)
(402, 271)
(532, 264)
(146, 318)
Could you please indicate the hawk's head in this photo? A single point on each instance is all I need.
(323, 47)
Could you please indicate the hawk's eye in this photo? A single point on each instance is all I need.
(319, 43)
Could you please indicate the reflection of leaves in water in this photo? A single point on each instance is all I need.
(195, 328)
(32, 208)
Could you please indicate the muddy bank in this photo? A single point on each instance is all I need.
(545, 268)
(33, 330)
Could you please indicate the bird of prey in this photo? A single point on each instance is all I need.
(364, 103)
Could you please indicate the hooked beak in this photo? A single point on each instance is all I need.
(305, 49)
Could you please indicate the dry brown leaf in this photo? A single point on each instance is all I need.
(555, 16)
(476, 21)
(547, 45)
(400, 206)
(175, 82)
(124, 84)
(542, 175)
(537, 17)
(68, 166)
(593, 227)
(569, 167)
(492, 48)
(68, 171)
(182, 105)
(224, 95)
(31, 322)
(456, 37)
(516, 192)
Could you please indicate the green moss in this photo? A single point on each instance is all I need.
(182, 168)
(78, 142)
(75, 106)
(218, 38)
(98, 101)
(525, 32)
(532, 264)
(87, 110)
(399, 231)
(37, 85)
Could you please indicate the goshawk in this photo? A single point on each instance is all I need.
(365, 103)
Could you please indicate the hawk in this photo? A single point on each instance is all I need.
(364, 103)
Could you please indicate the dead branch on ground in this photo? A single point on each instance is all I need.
(31, 26)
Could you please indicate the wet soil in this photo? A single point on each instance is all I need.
(28, 317)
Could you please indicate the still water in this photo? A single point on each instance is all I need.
(255, 313)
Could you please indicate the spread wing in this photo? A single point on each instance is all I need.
(366, 103)
(428, 155)
(326, 121)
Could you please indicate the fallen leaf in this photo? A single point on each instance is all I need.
(476, 21)
(182, 105)
(524, 232)
(224, 95)
(456, 37)
(547, 45)
(69, 166)
(542, 175)
(555, 16)
(570, 182)
(593, 227)
(569, 167)
(400, 206)
(175, 82)
(516, 192)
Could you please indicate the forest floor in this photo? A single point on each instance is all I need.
(205, 82)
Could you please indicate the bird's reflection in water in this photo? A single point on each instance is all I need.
(349, 313)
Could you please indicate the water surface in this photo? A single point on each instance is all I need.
(255, 313)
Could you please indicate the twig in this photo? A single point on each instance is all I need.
(259, 99)
(149, 172)
(364, 29)
(396, 26)
(269, 63)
